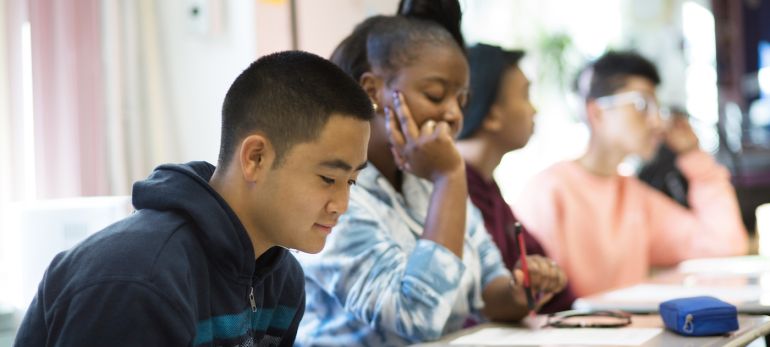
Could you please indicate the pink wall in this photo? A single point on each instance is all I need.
(273, 26)
(321, 25)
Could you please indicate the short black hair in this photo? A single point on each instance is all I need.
(611, 71)
(289, 96)
(392, 42)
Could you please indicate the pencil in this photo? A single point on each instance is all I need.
(518, 239)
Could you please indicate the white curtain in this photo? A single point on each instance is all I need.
(139, 122)
(101, 118)
(83, 112)
(14, 176)
(5, 109)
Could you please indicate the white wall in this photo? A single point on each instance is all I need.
(201, 62)
(43, 229)
(653, 27)
(522, 24)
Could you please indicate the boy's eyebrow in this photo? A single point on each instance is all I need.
(340, 164)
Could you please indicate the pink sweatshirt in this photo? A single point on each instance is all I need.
(606, 232)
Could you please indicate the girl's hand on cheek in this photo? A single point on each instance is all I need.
(427, 151)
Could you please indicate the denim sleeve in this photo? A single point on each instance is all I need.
(365, 267)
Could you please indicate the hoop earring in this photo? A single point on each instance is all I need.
(375, 106)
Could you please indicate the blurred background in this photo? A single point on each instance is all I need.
(95, 93)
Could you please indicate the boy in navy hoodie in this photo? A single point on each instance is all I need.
(203, 260)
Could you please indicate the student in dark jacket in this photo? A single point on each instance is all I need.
(499, 118)
(203, 261)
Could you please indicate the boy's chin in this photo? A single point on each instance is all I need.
(311, 249)
(647, 156)
(649, 153)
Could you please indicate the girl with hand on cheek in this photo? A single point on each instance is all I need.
(410, 261)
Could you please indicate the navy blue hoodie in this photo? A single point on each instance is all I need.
(180, 271)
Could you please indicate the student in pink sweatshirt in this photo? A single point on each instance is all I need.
(607, 230)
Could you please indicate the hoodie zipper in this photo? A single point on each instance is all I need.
(252, 301)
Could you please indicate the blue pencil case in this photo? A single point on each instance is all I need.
(699, 316)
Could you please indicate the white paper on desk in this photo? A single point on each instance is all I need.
(746, 265)
(580, 336)
(663, 292)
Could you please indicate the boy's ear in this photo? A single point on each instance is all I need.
(256, 156)
(594, 114)
(372, 85)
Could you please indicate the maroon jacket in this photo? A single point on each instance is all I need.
(497, 217)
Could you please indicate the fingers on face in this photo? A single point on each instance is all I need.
(409, 129)
(408, 126)
(395, 137)
(443, 130)
(397, 158)
(428, 128)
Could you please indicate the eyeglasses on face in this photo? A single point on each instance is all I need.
(640, 102)
(588, 319)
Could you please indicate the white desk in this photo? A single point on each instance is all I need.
(751, 328)
(741, 281)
